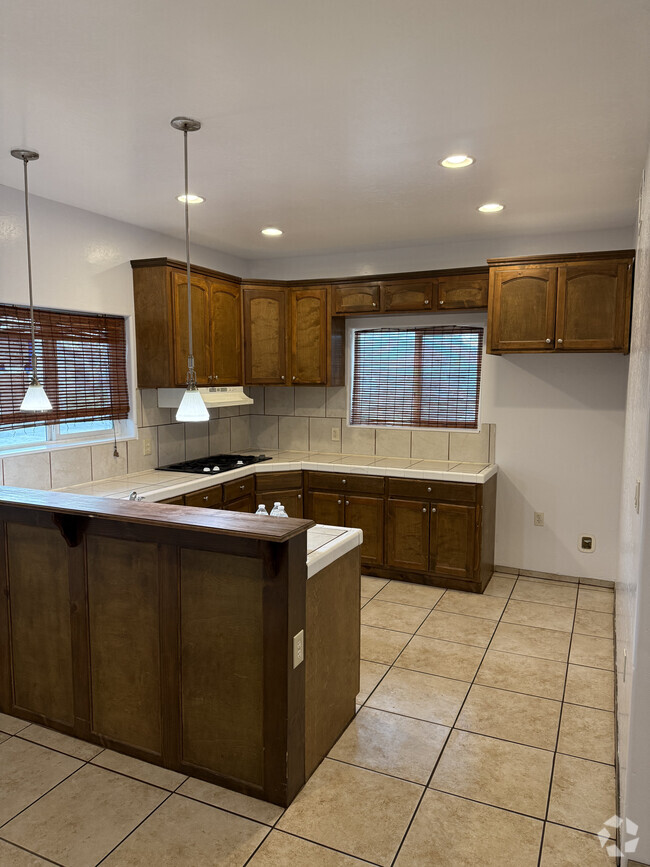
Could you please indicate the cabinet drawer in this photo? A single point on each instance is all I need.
(456, 492)
(342, 483)
(175, 501)
(408, 295)
(278, 481)
(208, 497)
(356, 297)
(240, 488)
(460, 291)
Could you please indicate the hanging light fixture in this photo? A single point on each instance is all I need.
(35, 399)
(192, 406)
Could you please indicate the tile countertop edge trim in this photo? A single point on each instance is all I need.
(326, 554)
(152, 492)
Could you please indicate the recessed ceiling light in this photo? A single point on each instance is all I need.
(272, 231)
(490, 208)
(457, 161)
(191, 200)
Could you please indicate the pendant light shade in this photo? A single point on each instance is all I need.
(192, 406)
(35, 399)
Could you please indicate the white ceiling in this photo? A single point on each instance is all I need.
(328, 117)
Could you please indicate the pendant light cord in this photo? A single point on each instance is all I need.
(29, 279)
(191, 374)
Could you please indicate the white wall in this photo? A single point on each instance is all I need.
(633, 592)
(464, 253)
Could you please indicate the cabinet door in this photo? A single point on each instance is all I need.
(367, 513)
(291, 500)
(243, 504)
(200, 327)
(462, 291)
(356, 297)
(408, 295)
(225, 338)
(522, 309)
(453, 536)
(265, 336)
(407, 535)
(326, 508)
(593, 309)
(309, 336)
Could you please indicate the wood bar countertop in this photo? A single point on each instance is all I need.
(185, 518)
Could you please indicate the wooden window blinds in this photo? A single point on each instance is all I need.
(417, 377)
(81, 360)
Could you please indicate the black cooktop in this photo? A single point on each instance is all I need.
(215, 464)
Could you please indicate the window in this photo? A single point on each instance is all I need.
(81, 363)
(417, 377)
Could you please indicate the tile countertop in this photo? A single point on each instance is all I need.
(156, 485)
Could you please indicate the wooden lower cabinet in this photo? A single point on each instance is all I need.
(367, 513)
(285, 488)
(326, 508)
(452, 540)
(407, 544)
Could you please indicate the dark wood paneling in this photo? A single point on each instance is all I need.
(407, 535)
(522, 309)
(309, 335)
(591, 313)
(356, 297)
(238, 488)
(346, 483)
(367, 513)
(332, 655)
(458, 492)
(222, 702)
(123, 608)
(6, 663)
(153, 325)
(291, 500)
(463, 291)
(225, 333)
(401, 295)
(452, 539)
(40, 622)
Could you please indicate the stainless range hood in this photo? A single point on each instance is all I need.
(215, 396)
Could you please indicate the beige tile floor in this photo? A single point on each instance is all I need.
(484, 736)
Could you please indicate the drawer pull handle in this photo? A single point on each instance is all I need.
(293, 377)
(374, 303)
(344, 481)
(426, 300)
(442, 302)
(300, 496)
(282, 377)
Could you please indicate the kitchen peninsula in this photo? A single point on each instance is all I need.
(187, 637)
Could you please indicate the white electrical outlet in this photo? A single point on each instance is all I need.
(298, 648)
(146, 447)
(538, 519)
(336, 434)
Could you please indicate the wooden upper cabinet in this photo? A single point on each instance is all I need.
(356, 297)
(398, 295)
(593, 311)
(462, 291)
(225, 329)
(309, 335)
(578, 303)
(200, 327)
(522, 309)
(266, 352)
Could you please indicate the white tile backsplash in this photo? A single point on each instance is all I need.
(264, 431)
(152, 414)
(294, 433)
(278, 400)
(310, 400)
(470, 446)
(197, 443)
(70, 466)
(430, 445)
(171, 444)
(28, 471)
(357, 440)
(336, 402)
(393, 443)
(219, 436)
(137, 461)
(104, 464)
(240, 433)
(320, 434)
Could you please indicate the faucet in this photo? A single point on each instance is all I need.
(134, 496)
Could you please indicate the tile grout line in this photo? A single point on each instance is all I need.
(557, 742)
(452, 728)
(124, 839)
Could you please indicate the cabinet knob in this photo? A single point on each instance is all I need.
(548, 339)
(426, 300)
(347, 502)
(293, 377)
(209, 378)
(241, 487)
(205, 498)
(300, 496)
(442, 302)
(344, 481)
(339, 502)
(282, 377)
(424, 510)
(429, 490)
(559, 340)
(374, 303)
(433, 508)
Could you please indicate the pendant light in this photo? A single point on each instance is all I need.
(192, 406)
(35, 399)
